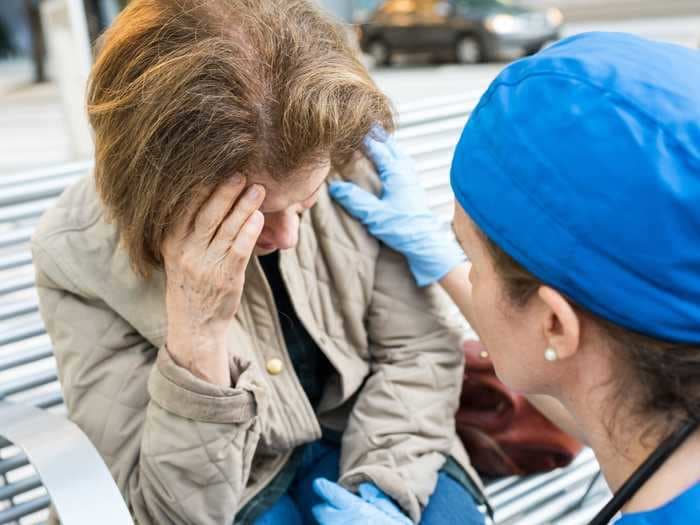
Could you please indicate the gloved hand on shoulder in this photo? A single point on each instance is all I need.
(400, 218)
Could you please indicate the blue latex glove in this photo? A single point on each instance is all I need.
(342, 507)
(401, 218)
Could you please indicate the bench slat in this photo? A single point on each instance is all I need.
(17, 236)
(47, 400)
(453, 126)
(24, 509)
(24, 383)
(15, 462)
(583, 515)
(21, 333)
(52, 172)
(24, 211)
(15, 285)
(19, 487)
(527, 500)
(15, 260)
(524, 484)
(465, 99)
(17, 309)
(564, 503)
(19, 193)
(25, 357)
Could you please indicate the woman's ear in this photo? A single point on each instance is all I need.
(561, 324)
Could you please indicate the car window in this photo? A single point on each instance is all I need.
(432, 7)
(483, 3)
(399, 7)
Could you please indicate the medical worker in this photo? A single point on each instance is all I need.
(577, 180)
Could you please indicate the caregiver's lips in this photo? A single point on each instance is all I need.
(266, 246)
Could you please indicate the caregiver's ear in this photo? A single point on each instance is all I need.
(561, 325)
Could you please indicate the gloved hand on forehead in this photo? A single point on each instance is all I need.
(400, 218)
(342, 507)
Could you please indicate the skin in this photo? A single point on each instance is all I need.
(458, 286)
(575, 390)
(206, 256)
(284, 205)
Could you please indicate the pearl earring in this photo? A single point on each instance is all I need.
(551, 355)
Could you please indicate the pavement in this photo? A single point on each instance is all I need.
(32, 124)
(578, 10)
(33, 130)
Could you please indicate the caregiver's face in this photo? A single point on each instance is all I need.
(509, 332)
(284, 203)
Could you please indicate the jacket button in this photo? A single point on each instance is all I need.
(274, 366)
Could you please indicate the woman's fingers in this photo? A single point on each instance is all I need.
(205, 277)
(216, 208)
(243, 245)
(185, 223)
(232, 225)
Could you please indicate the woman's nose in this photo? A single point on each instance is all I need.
(282, 230)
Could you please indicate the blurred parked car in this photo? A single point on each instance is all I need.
(467, 31)
(6, 45)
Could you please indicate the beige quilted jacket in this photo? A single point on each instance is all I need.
(187, 452)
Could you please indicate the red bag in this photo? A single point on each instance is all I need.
(503, 433)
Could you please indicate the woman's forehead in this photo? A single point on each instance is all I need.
(295, 189)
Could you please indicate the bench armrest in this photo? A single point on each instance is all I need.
(81, 487)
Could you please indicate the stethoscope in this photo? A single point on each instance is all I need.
(644, 472)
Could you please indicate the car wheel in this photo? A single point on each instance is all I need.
(468, 50)
(380, 53)
(529, 51)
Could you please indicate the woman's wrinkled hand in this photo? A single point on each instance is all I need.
(205, 260)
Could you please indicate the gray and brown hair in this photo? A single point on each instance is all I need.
(185, 93)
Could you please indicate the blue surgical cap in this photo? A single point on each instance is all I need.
(583, 164)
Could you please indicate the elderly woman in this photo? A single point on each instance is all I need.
(226, 334)
(578, 181)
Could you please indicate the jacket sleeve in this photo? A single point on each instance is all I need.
(402, 426)
(179, 448)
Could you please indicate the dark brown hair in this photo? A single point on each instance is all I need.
(186, 93)
(666, 374)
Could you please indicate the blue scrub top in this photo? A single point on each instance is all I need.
(684, 509)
